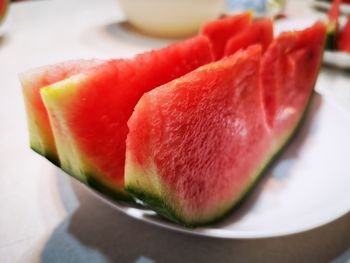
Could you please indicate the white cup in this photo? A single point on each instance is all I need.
(171, 18)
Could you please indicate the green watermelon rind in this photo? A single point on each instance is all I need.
(331, 36)
(157, 204)
(161, 207)
(103, 188)
(50, 156)
(97, 184)
(107, 189)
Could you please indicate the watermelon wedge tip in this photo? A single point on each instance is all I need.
(259, 32)
(221, 30)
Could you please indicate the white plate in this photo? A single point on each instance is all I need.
(323, 5)
(337, 59)
(307, 186)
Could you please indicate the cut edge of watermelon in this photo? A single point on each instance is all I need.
(331, 38)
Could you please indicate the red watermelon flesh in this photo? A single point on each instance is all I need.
(89, 112)
(187, 139)
(40, 132)
(197, 144)
(260, 32)
(288, 72)
(334, 11)
(344, 37)
(221, 30)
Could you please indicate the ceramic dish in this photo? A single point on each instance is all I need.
(307, 186)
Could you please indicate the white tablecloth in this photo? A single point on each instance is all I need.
(45, 216)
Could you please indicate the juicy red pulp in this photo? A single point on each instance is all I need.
(108, 95)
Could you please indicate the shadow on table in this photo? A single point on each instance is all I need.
(3, 39)
(125, 28)
(96, 232)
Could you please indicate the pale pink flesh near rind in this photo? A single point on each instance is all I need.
(221, 30)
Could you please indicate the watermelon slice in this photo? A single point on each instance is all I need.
(89, 111)
(344, 37)
(40, 132)
(221, 30)
(260, 32)
(333, 25)
(197, 144)
(284, 79)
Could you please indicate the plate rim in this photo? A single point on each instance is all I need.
(213, 233)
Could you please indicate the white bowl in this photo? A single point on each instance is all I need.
(171, 18)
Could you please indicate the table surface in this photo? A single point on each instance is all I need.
(46, 216)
